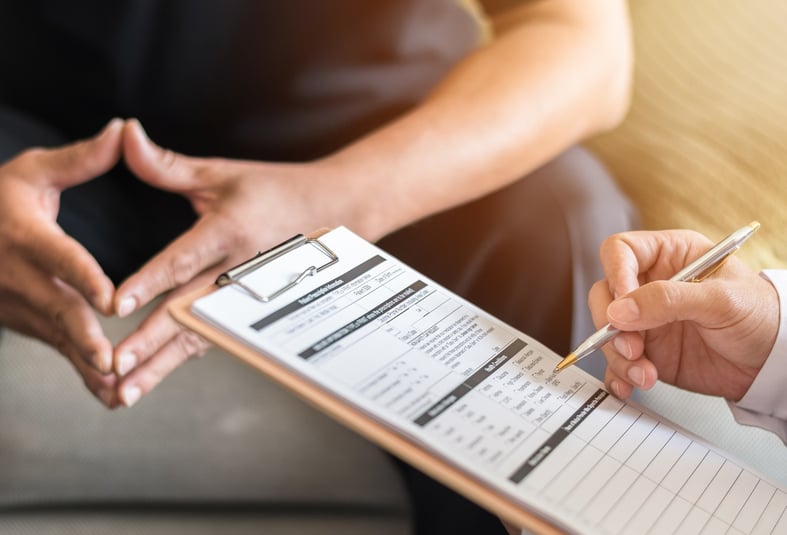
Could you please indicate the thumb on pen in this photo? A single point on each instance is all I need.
(662, 302)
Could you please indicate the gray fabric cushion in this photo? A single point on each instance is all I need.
(135, 523)
(214, 434)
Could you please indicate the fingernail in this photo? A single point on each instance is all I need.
(622, 347)
(102, 302)
(624, 310)
(131, 395)
(139, 124)
(110, 125)
(102, 361)
(126, 361)
(615, 387)
(127, 306)
(637, 375)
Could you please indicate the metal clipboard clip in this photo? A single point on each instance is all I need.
(234, 275)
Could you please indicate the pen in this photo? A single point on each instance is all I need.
(697, 271)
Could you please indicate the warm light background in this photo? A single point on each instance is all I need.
(705, 142)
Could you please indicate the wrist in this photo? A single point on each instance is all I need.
(362, 194)
(766, 394)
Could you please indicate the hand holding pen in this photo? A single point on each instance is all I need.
(711, 337)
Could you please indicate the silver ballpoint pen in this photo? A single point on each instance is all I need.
(697, 271)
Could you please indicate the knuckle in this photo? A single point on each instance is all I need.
(190, 343)
(168, 158)
(232, 239)
(669, 293)
(146, 344)
(145, 347)
(61, 265)
(667, 296)
(728, 301)
(182, 267)
(237, 242)
(58, 316)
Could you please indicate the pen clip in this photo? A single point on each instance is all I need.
(710, 270)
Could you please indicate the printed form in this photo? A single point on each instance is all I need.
(484, 396)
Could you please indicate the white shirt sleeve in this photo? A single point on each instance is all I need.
(765, 403)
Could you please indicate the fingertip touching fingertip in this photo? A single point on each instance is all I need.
(102, 301)
(101, 360)
(115, 123)
(126, 361)
(136, 125)
(130, 395)
(126, 306)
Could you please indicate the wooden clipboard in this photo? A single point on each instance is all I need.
(361, 423)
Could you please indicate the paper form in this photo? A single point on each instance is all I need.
(484, 397)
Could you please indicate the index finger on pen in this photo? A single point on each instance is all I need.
(205, 245)
(631, 258)
(621, 262)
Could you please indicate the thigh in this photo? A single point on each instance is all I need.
(528, 253)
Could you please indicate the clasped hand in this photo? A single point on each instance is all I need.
(51, 287)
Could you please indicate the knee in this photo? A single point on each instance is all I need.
(588, 193)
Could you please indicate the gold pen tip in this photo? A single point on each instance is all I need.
(570, 359)
(754, 225)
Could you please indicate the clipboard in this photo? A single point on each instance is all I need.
(383, 436)
(349, 382)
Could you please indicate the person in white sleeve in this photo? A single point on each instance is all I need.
(725, 336)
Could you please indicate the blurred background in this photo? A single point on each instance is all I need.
(705, 143)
